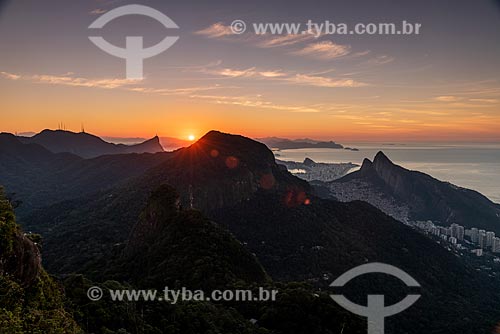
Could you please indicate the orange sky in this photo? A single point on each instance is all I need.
(442, 85)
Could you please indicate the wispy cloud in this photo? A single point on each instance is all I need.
(69, 80)
(286, 77)
(245, 73)
(271, 41)
(447, 98)
(272, 74)
(221, 31)
(98, 11)
(200, 92)
(10, 76)
(216, 30)
(485, 100)
(324, 50)
(83, 82)
(106, 83)
(319, 81)
(175, 91)
(380, 60)
(256, 102)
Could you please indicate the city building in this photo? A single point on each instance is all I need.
(489, 238)
(482, 239)
(461, 233)
(496, 245)
(474, 235)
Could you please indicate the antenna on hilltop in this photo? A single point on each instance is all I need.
(83, 128)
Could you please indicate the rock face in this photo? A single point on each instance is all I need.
(19, 257)
(23, 263)
(86, 145)
(30, 301)
(426, 198)
(171, 246)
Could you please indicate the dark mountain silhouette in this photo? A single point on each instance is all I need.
(86, 145)
(217, 171)
(236, 182)
(222, 169)
(426, 197)
(168, 244)
(174, 247)
(322, 240)
(39, 177)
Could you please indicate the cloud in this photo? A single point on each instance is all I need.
(362, 53)
(107, 83)
(485, 100)
(380, 60)
(246, 73)
(83, 82)
(98, 11)
(221, 31)
(175, 91)
(272, 74)
(319, 81)
(447, 98)
(10, 76)
(69, 80)
(216, 30)
(256, 102)
(197, 92)
(324, 50)
(271, 41)
(287, 77)
(227, 72)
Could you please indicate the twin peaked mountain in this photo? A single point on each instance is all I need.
(412, 195)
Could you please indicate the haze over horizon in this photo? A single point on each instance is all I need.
(441, 85)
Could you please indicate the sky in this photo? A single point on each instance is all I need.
(440, 85)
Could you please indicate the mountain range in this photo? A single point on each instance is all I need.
(86, 145)
(286, 144)
(412, 195)
(221, 213)
(40, 177)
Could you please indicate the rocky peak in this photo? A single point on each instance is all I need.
(217, 143)
(222, 169)
(162, 206)
(367, 164)
(382, 161)
(309, 162)
(19, 257)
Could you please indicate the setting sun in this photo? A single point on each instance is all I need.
(191, 137)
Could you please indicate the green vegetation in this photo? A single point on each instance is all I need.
(179, 248)
(8, 226)
(37, 307)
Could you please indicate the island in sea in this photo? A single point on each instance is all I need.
(276, 143)
(310, 170)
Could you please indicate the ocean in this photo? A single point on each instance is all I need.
(473, 166)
